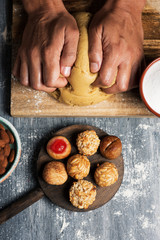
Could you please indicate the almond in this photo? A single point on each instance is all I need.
(1, 151)
(7, 150)
(4, 136)
(2, 127)
(2, 157)
(4, 163)
(10, 136)
(2, 170)
(2, 143)
(11, 156)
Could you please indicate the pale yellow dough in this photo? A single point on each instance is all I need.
(79, 90)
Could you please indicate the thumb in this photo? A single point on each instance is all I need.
(95, 49)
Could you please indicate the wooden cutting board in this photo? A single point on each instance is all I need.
(26, 102)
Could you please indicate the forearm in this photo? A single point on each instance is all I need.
(32, 6)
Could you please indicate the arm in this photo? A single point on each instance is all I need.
(48, 47)
(116, 45)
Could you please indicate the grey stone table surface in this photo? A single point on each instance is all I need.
(133, 213)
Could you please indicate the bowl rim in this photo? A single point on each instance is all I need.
(141, 87)
(18, 145)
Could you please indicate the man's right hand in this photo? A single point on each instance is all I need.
(48, 48)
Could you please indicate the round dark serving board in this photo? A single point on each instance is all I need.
(59, 195)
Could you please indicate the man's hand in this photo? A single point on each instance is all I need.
(48, 47)
(116, 46)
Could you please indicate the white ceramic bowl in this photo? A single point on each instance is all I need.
(16, 145)
(150, 87)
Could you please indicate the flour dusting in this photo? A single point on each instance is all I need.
(137, 177)
(145, 222)
(118, 213)
(4, 34)
(127, 193)
(143, 126)
(79, 234)
(64, 225)
(83, 235)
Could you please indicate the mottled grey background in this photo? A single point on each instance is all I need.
(133, 214)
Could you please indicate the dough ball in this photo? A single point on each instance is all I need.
(88, 142)
(106, 174)
(58, 147)
(78, 166)
(54, 173)
(82, 194)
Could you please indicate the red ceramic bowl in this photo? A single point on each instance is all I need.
(149, 91)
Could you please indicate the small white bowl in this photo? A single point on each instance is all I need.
(16, 145)
(150, 87)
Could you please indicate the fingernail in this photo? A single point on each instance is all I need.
(66, 71)
(94, 67)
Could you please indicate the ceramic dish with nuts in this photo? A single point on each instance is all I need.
(75, 182)
(10, 149)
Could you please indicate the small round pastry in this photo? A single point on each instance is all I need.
(82, 194)
(88, 142)
(111, 147)
(106, 174)
(54, 173)
(78, 166)
(58, 147)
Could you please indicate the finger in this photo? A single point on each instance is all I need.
(122, 79)
(51, 72)
(35, 72)
(46, 89)
(51, 64)
(16, 67)
(34, 69)
(95, 50)
(42, 86)
(135, 75)
(108, 69)
(35, 76)
(69, 52)
(24, 73)
(60, 82)
(137, 70)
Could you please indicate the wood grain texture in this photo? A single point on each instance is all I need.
(27, 103)
(59, 195)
